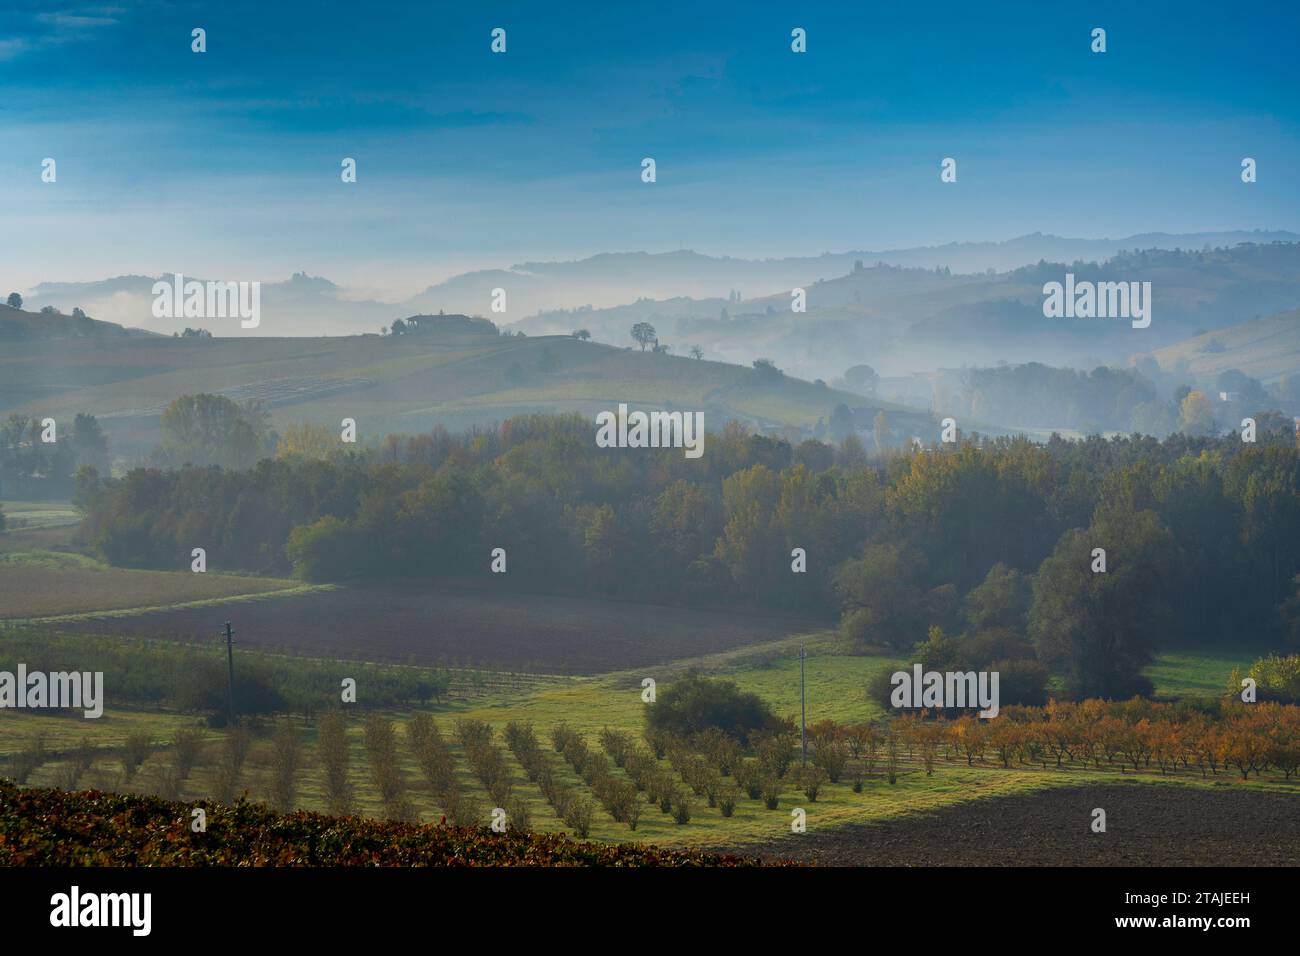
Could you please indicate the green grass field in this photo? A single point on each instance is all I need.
(1198, 673)
(34, 515)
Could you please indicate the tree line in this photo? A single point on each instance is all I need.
(1080, 556)
(41, 460)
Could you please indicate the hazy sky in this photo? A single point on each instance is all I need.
(226, 163)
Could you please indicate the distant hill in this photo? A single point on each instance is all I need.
(612, 279)
(453, 375)
(1264, 348)
(907, 320)
(303, 305)
(307, 305)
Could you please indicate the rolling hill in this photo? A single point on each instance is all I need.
(305, 305)
(1264, 348)
(404, 384)
(905, 320)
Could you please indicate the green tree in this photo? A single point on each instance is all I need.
(213, 430)
(1097, 629)
(89, 442)
(1196, 414)
(693, 704)
(880, 600)
(1000, 600)
(749, 546)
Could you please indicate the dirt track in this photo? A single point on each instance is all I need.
(1146, 825)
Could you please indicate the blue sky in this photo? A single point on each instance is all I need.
(227, 162)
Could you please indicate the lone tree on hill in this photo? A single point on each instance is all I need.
(643, 333)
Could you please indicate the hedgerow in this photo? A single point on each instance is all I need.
(41, 827)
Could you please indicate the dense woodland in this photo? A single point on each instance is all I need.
(982, 551)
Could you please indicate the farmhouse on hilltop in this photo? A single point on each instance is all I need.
(443, 324)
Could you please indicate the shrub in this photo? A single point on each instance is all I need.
(617, 744)
(51, 828)
(1276, 677)
(811, 780)
(234, 750)
(517, 815)
(332, 746)
(381, 750)
(771, 792)
(658, 741)
(187, 748)
(485, 758)
(462, 811)
(749, 777)
(285, 764)
(576, 752)
(29, 758)
(135, 752)
(559, 736)
(776, 753)
(578, 816)
(432, 755)
(65, 778)
(719, 749)
(1021, 682)
(833, 758)
(682, 812)
(169, 783)
(727, 801)
(632, 813)
(694, 703)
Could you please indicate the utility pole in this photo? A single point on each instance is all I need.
(803, 716)
(230, 664)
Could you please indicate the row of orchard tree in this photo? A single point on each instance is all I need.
(1081, 556)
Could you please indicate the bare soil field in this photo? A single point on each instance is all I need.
(27, 592)
(463, 627)
(1146, 825)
